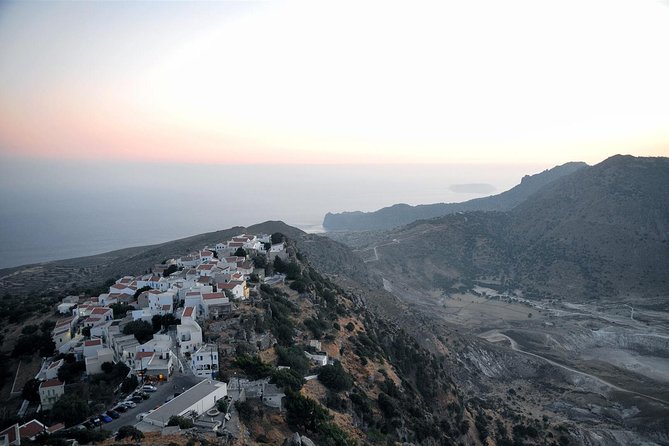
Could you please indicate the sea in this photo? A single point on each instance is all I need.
(59, 209)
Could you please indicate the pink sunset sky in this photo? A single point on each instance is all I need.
(334, 82)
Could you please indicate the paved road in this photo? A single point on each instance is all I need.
(494, 335)
(178, 382)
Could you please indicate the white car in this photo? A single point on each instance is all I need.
(129, 404)
(148, 388)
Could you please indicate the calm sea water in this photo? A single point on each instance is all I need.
(56, 210)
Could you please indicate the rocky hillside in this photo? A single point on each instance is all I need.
(600, 233)
(384, 386)
(403, 214)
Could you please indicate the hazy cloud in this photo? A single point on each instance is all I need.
(472, 188)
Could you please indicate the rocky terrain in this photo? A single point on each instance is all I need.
(475, 328)
(559, 305)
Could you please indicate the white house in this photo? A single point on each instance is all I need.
(210, 300)
(120, 288)
(204, 362)
(50, 391)
(51, 372)
(66, 307)
(189, 261)
(61, 337)
(239, 290)
(159, 343)
(91, 347)
(94, 363)
(161, 303)
(206, 255)
(245, 268)
(125, 348)
(157, 364)
(103, 313)
(189, 332)
(319, 358)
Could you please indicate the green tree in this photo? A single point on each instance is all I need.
(259, 261)
(294, 358)
(278, 237)
(29, 329)
(288, 379)
(293, 271)
(304, 413)
(253, 366)
(334, 377)
(279, 265)
(170, 270)
(47, 326)
(71, 372)
(70, 409)
(240, 252)
(142, 330)
(120, 309)
(30, 390)
(182, 422)
(141, 290)
(129, 384)
(222, 405)
(129, 431)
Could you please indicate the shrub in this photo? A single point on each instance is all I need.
(182, 422)
(334, 377)
(288, 379)
(129, 431)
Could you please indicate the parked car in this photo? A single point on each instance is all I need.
(106, 418)
(129, 404)
(95, 421)
(121, 408)
(112, 413)
(149, 388)
(88, 424)
(136, 399)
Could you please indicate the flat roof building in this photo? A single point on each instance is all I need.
(198, 399)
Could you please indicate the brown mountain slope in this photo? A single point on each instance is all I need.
(602, 232)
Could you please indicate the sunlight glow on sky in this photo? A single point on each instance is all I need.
(335, 82)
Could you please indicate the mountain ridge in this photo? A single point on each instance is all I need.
(602, 232)
(402, 214)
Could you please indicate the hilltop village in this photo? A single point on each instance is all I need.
(242, 343)
(148, 333)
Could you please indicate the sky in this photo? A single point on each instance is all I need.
(251, 82)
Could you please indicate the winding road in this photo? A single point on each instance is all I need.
(496, 336)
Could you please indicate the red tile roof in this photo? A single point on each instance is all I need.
(93, 342)
(213, 296)
(141, 355)
(31, 429)
(188, 312)
(100, 310)
(56, 427)
(55, 382)
(12, 433)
